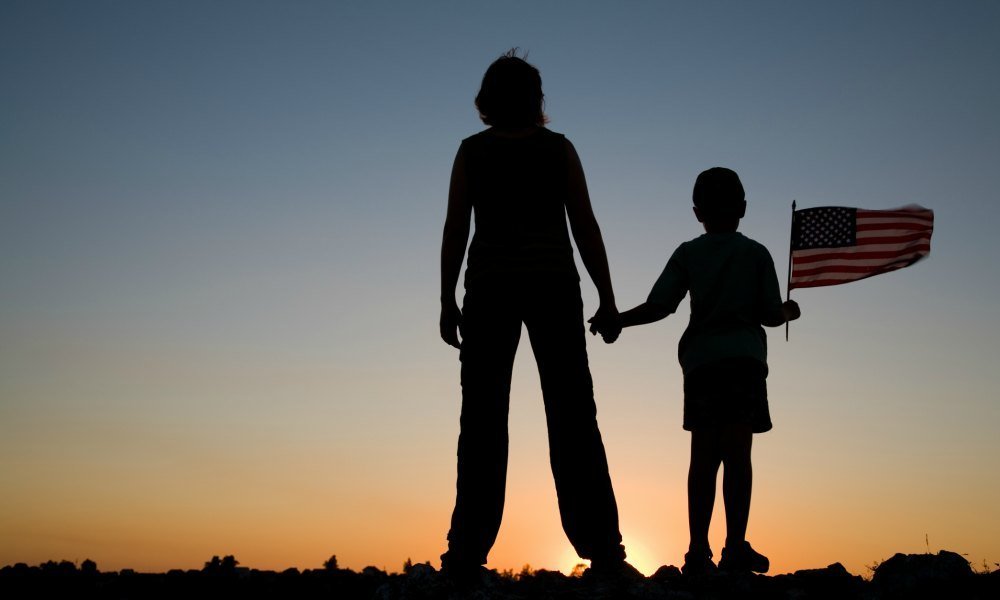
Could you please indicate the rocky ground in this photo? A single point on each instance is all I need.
(944, 575)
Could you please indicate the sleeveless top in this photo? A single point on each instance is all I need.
(517, 188)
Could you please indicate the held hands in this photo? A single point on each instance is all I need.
(607, 322)
(791, 310)
(451, 324)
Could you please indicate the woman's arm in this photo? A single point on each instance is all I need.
(587, 233)
(453, 243)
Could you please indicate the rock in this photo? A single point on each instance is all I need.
(834, 570)
(944, 574)
(666, 573)
(421, 572)
(546, 575)
(833, 582)
(370, 571)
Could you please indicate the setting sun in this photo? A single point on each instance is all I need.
(638, 557)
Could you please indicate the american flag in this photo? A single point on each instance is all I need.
(835, 244)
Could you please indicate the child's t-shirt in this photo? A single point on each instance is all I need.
(734, 290)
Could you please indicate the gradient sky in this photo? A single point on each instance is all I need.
(219, 235)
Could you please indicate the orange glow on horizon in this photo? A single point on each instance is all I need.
(638, 556)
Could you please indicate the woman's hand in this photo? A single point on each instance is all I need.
(451, 323)
(606, 322)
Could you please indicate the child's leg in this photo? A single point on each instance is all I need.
(705, 459)
(737, 480)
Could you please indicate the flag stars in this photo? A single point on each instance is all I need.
(824, 227)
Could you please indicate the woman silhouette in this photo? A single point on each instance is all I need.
(521, 181)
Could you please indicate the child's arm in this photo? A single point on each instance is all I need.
(610, 327)
(647, 312)
(667, 293)
(773, 312)
(789, 311)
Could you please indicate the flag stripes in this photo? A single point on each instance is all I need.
(834, 245)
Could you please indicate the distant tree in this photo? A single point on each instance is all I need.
(331, 563)
(214, 565)
(525, 571)
(229, 563)
(88, 567)
(62, 567)
(226, 564)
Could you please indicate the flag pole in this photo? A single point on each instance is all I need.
(788, 286)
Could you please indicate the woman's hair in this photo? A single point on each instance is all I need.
(511, 93)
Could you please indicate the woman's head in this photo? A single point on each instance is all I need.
(511, 94)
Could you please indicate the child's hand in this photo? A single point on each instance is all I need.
(610, 333)
(607, 323)
(791, 310)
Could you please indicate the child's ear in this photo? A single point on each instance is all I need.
(697, 214)
(743, 209)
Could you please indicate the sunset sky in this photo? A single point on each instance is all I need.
(219, 234)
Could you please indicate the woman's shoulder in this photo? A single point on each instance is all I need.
(475, 137)
(492, 133)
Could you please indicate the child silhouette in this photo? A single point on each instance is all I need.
(723, 354)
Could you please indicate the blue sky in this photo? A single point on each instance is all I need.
(219, 226)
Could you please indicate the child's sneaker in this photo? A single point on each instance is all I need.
(743, 558)
(698, 562)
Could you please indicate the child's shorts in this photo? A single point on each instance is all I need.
(732, 391)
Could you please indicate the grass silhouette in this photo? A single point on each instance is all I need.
(942, 575)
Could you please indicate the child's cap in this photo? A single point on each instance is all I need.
(719, 193)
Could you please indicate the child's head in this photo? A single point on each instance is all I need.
(719, 197)
(511, 94)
